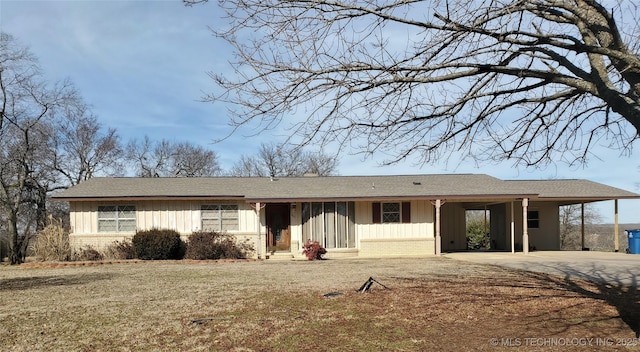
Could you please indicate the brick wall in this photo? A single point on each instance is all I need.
(397, 247)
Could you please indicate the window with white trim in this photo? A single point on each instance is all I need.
(116, 218)
(219, 217)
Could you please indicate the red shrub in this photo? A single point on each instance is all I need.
(313, 250)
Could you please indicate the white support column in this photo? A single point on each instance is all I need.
(258, 232)
(616, 240)
(525, 226)
(513, 230)
(438, 204)
(582, 225)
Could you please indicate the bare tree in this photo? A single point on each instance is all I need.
(28, 108)
(48, 141)
(148, 159)
(571, 222)
(534, 81)
(320, 164)
(22, 182)
(194, 161)
(84, 148)
(278, 160)
(248, 166)
(166, 159)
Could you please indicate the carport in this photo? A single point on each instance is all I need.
(525, 220)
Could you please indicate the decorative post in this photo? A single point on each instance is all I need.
(616, 240)
(525, 225)
(582, 225)
(513, 230)
(438, 204)
(259, 245)
(259, 250)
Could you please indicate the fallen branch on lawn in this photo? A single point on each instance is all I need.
(367, 285)
(204, 320)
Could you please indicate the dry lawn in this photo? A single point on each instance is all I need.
(431, 304)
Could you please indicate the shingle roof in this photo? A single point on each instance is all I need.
(575, 188)
(451, 186)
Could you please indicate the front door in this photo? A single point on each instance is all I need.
(278, 219)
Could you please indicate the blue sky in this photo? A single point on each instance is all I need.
(142, 66)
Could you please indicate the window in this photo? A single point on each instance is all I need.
(219, 217)
(116, 218)
(391, 212)
(332, 224)
(533, 219)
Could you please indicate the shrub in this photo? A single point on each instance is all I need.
(158, 244)
(52, 242)
(213, 245)
(120, 250)
(87, 253)
(477, 237)
(313, 250)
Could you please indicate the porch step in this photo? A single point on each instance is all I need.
(280, 256)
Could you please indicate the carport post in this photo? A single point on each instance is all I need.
(525, 226)
(513, 230)
(438, 238)
(616, 239)
(582, 224)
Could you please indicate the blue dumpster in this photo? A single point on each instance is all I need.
(634, 241)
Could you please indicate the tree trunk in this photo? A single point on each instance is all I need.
(41, 208)
(15, 246)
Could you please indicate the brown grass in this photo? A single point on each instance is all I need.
(432, 304)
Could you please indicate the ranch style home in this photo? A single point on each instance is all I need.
(363, 216)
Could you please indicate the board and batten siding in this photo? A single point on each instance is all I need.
(396, 239)
(547, 235)
(180, 215)
(453, 228)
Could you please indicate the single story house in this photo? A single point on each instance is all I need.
(364, 216)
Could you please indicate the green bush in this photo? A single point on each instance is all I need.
(213, 245)
(158, 244)
(477, 237)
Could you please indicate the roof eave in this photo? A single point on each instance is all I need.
(588, 198)
(451, 198)
(136, 198)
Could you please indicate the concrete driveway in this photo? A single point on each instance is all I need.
(613, 268)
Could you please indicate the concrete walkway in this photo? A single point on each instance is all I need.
(613, 268)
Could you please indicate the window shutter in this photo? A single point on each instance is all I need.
(406, 212)
(376, 213)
